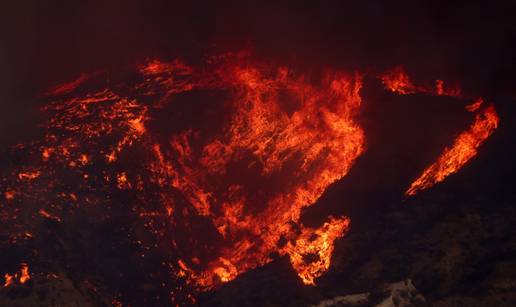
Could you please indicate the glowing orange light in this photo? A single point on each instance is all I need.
(24, 275)
(9, 195)
(47, 215)
(9, 280)
(283, 142)
(398, 81)
(30, 175)
(463, 149)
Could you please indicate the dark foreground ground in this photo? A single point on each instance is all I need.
(455, 252)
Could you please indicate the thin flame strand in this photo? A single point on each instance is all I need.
(464, 148)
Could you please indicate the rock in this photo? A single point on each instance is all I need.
(360, 299)
(402, 294)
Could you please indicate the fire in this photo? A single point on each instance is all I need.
(9, 195)
(225, 197)
(24, 274)
(122, 180)
(466, 144)
(319, 137)
(9, 280)
(137, 125)
(442, 90)
(463, 149)
(46, 152)
(30, 175)
(22, 277)
(47, 215)
(289, 138)
(398, 81)
(318, 244)
(475, 105)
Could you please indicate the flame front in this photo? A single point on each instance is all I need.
(465, 145)
(463, 149)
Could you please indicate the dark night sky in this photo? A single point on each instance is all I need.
(47, 42)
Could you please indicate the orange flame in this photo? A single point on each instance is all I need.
(284, 142)
(30, 175)
(475, 105)
(22, 277)
(9, 280)
(463, 149)
(318, 244)
(319, 138)
(398, 81)
(49, 216)
(24, 274)
(466, 144)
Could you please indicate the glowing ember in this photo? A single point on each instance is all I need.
(47, 215)
(29, 175)
(9, 195)
(463, 149)
(398, 81)
(24, 274)
(317, 244)
(70, 86)
(475, 105)
(9, 280)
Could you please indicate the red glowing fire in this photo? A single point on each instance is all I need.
(284, 142)
(465, 145)
(463, 149)
(302, 152)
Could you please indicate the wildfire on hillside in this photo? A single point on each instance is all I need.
(270, 149)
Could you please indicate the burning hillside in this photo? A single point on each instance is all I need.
(203, 195)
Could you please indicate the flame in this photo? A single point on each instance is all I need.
(9, 280)
(320, 137)
(463, 149)
(398, 81)
(283, 141)
(281, 129)
(70, 86)
(466, 144)
(22, 277)
(24, 274)
(317, 243)
(475, 105)
(29, 175)
(442, 90)
(137, 125)
(47, 215)
(123, 182)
